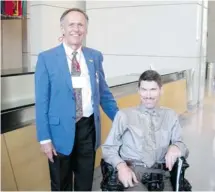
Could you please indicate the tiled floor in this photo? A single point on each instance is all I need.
(199, 135)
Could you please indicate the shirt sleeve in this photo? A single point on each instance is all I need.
(45, 141)
(176, 137)
(110, 149)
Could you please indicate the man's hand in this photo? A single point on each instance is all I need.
(49, 150)
(172, 154)
(126, 175)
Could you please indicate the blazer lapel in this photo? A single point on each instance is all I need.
(63, 65)
(90, 65)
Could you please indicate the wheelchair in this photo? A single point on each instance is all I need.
(153, 182)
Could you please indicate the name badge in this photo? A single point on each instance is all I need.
(78, 82)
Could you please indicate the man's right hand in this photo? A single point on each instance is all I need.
(49, 150)
(126, 175)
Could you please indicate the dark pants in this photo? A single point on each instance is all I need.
(75, 171)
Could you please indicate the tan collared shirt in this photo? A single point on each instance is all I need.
(144, 135)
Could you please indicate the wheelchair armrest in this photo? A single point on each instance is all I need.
(184, 184)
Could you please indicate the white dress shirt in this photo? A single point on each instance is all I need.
(85, 82)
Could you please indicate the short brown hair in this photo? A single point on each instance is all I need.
(71, 10)
(150, 75)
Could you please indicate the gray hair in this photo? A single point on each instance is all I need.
(73, 10)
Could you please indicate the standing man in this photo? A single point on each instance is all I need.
(70, 85)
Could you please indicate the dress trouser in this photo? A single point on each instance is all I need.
(75, 171)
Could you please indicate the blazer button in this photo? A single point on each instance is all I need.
(73, 98)
(73, 117)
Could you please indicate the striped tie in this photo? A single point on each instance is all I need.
(76, 72)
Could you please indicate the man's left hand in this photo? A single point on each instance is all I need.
(172, 154)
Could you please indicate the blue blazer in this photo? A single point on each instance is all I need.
(54, 97)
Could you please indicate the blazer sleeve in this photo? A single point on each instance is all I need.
(110, 149)
(107, 100)
(42, 94)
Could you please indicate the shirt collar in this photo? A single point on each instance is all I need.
(69, 50)
(154, 111)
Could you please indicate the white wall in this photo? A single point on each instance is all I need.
(133, 35)
(202, 51)
(15, 47)
(211, 32)
(17, 89)
(11, 45)
(45, 24)
(26, 51)
(24, 39)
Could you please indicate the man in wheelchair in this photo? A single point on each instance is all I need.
(145, 146)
